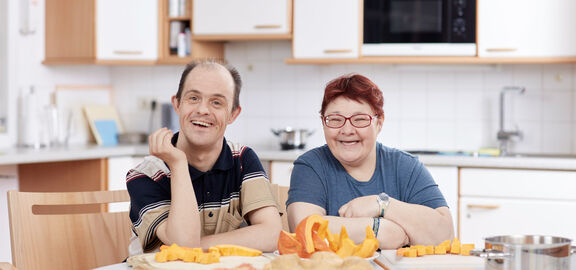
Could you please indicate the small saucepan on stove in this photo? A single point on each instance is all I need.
(291, 138)
(527, 252)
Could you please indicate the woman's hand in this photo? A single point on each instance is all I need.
(366, 206)
(160, 143)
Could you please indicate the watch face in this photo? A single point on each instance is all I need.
(384, 198)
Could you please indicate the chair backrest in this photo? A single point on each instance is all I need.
(281, 194)
(46, 235)
(7, 266)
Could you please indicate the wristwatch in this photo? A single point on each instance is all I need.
(383, 202)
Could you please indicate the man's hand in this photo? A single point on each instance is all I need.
(160, 143)
(366, 206)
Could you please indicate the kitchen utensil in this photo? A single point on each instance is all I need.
(291, 138)
(132, 138)
(393, 261)
(526, 252)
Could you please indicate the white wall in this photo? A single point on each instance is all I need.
(445, 107)
(24, 67)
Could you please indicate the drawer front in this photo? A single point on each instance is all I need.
(509, 183)
(484, 217)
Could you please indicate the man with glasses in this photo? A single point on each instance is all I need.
(355, 181)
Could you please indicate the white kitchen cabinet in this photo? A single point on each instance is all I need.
(447, 179)
(280, 172)
(320, 32)
(241, 17)
(127, 29)
(8, 181)
(118, 167)
(516, 28)
(513, 201)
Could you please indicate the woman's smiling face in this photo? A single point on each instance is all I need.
(351, 145)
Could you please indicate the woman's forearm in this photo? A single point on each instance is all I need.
(423, 225)
(390, 235)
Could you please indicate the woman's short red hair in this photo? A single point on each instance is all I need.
(354, 87)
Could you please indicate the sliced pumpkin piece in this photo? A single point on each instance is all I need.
(288, 244)
(305, 228)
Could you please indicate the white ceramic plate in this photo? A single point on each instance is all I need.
(374, 256)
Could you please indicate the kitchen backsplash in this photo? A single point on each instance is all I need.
(442, 107)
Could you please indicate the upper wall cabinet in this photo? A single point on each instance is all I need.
(241, 19)
(69, 36)
(322, 33)
(517, 28)
(124, 32)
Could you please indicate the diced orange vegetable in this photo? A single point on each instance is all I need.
(421, 250)
(440, 250)
(412, 253)
(235, 250)
(429, 250)
(161, 256)
(400, 251)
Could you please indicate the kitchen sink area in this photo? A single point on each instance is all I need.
(483, 154)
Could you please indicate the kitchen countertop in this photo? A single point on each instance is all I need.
(79, 152)
(28, 155)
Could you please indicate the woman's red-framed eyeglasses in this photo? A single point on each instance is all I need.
(360, 120)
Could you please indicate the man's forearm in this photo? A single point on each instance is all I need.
(263, 237)
(183, 222)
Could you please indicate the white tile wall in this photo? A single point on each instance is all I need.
(427, 107)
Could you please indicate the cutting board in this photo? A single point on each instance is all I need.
(104, 123)
(70, 101)
(147, 262)
(390, 259)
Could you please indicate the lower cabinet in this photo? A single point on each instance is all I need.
(511, 201)
(118, 167)
(447, 179)
(280, 172)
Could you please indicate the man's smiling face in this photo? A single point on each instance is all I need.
(205, 107)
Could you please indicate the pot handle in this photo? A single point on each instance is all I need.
(276, 132)
(489, 254)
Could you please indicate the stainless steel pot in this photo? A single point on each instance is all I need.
(526, 252)
(291, 138)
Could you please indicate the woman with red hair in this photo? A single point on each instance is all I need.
(355, 181)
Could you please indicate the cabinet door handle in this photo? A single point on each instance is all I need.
(338, 51)
(267, 26)
(483, 206)
(128, 52)
(501, 50)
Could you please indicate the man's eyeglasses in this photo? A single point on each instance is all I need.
(360, 120)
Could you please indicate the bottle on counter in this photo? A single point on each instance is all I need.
(182, 45)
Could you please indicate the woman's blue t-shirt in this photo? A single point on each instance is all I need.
(320, 179)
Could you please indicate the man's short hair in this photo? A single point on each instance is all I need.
(212, 62)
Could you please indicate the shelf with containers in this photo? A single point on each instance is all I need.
(175, 25)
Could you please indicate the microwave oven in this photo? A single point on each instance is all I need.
(419, 28)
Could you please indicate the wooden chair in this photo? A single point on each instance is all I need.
(66, 231)
(7, 266)
(281, 194)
